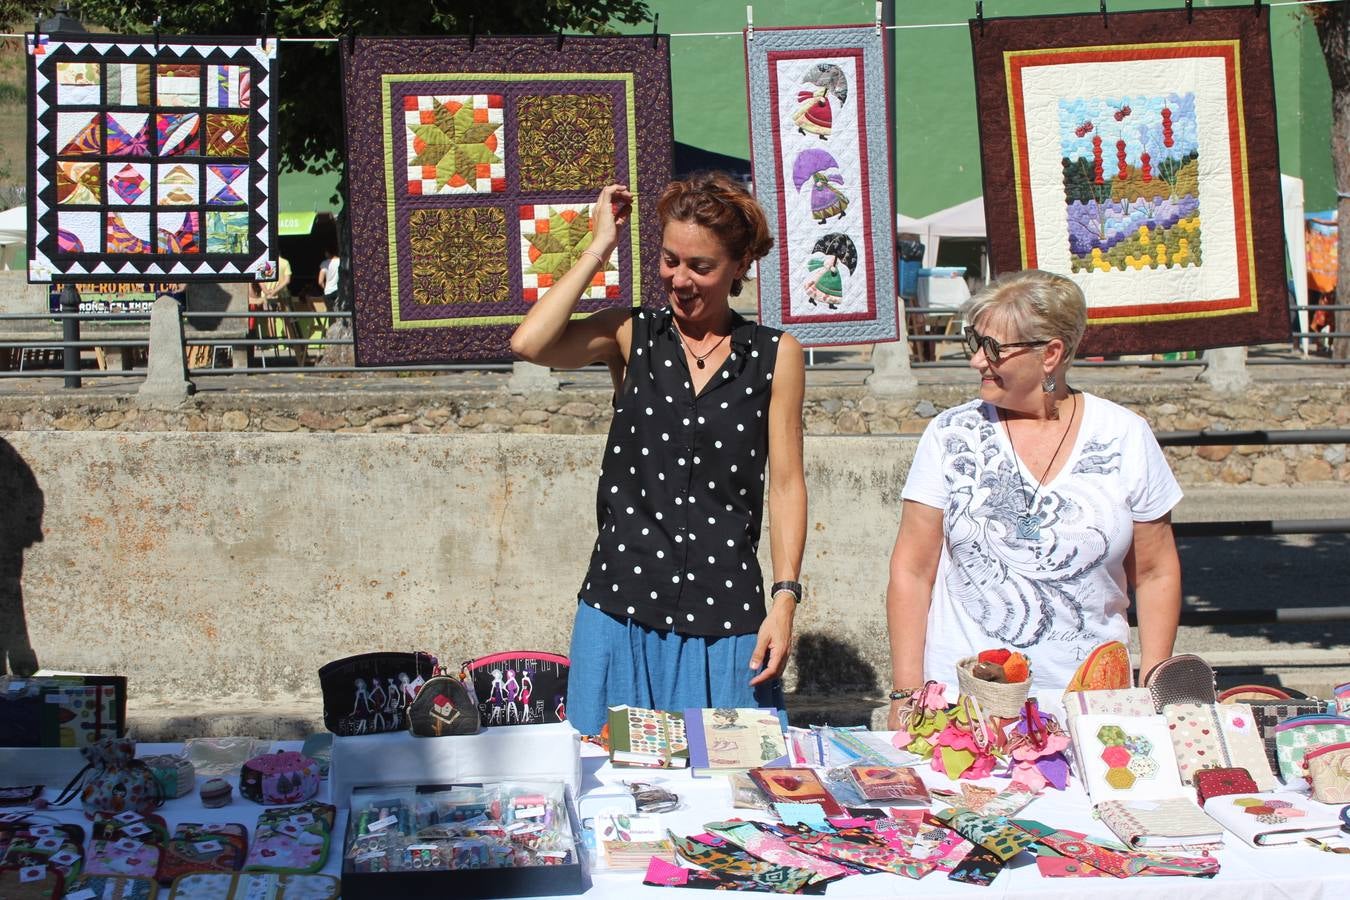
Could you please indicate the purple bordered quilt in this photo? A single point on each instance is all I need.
(1139, 158)
(820, 151)
(472, 167)
(151, 160)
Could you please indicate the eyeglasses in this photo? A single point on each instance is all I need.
(993, 350)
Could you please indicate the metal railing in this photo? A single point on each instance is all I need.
(36, 357)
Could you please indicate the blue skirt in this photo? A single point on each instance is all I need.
(617, 661)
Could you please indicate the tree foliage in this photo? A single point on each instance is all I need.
(309, 102)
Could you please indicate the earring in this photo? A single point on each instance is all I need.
(1049, 384)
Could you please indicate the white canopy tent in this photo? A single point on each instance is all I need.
(13, 233)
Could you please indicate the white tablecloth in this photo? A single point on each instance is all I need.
(1290, 873)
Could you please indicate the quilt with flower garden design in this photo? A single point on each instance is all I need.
(1137, 156)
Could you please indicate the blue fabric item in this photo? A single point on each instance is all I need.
(617, 661)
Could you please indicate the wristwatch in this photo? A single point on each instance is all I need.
(792, 587)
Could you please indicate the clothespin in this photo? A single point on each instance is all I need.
(37, 30)
(1103, 9)
(155, 26)
(876, 18)
(1256, 6)
(266, 27)
(979, 14)
(749, 21)
(560, 38)
(350, 38)
(1190, 11)
(656, 19)
(473, 32)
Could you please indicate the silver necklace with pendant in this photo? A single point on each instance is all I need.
(1029, 523)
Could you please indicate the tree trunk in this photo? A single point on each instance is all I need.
(1333, 30)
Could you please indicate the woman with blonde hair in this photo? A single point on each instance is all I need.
(672, 611)
(1031, 511)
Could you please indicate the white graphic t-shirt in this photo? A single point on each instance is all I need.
(1056, 595)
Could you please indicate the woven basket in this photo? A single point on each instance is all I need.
(1003, 700)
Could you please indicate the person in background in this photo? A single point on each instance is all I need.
(1030, 511)
(328, 276)
(672, 611)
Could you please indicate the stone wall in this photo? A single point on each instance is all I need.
(830, 410)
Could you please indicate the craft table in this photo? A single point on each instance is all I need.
(1297, 872)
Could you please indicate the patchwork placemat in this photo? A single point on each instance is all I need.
(820, 153)
(472, 168)
(151, 158)
(1138, 157)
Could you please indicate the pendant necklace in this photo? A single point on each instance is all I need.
(1029, 523)
(699, 360)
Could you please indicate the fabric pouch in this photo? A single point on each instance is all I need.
(1184, 678)
(32, 883)
(1222, 782)
(58, 847)
(292, 839)
(281, 777)
(1270, 713)
(1329, 771)
(113, 781)
(112, 887)
(1107, 668)
(252, 886)
(443, 706)
(124, 856)
(518, 687)
(1207, 736)
(1342, 697)
(202, 848)
(370, 693)
(1294, 738)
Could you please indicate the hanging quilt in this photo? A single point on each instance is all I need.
(472, 167)
(1136, 154)
(151, 158)
(820, 153)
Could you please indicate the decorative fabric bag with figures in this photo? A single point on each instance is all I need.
(370, 693)
(114, 781)
(518, 687)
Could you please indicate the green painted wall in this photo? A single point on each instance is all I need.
(938, 134)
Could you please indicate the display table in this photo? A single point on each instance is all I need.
(1298, 872)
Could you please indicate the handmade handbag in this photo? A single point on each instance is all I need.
(443, 707)
(519, 687)
(1210, 735)
(32, 883)
(1184, 678)
(112, 887)
(1223, 782)
(281, 777)
(59, 847)
(1296, 737)
(1270, 713)
(1329, 772)
(370, 693)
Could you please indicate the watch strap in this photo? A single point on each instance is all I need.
(792, 587)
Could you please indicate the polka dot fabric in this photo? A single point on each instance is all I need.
(681, 496)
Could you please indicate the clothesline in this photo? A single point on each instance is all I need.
(702, 34)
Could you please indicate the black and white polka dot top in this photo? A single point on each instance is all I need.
(681, 494)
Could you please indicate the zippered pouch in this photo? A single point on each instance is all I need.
(519, 687)
(1297, 737)
(370, 693)
(1329, 772)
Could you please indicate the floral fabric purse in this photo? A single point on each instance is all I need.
(1329, 771)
